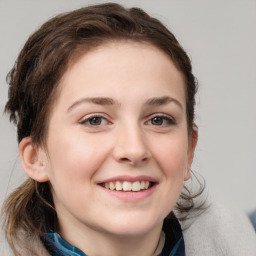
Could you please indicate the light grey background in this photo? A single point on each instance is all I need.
(219, 36)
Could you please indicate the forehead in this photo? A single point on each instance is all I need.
(120, 63)
(109, 48)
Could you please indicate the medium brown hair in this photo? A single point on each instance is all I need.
(34, 80)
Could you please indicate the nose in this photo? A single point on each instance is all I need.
(130, 146)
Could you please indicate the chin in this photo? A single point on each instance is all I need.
(133, 225)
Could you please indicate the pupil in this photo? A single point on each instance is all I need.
(157, 121)
(95, 120)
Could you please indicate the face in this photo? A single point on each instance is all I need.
(118, 151)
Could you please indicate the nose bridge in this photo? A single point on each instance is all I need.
(131, 144)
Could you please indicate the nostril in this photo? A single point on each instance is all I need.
(125, 159)
(133, 161)
(144, 159)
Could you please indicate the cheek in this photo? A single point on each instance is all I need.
(73, 159)
(171, 155)
(72, 167)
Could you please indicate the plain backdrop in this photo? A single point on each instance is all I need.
(220, 38)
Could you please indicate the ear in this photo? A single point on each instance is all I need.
(191, 149)
(33, 160)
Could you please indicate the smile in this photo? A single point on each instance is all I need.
(135, 186)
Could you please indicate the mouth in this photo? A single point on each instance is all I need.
(127, 186)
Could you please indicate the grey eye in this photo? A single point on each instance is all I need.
(157, 120)
(161, 121)
(96, 120)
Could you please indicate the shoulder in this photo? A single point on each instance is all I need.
(220, 231)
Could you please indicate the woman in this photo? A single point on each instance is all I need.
(103, 98)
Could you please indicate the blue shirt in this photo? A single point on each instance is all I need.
(173, 246)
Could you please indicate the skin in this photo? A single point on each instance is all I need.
(125, 138)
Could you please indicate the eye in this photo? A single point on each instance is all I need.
(95, 120)
(161, 120)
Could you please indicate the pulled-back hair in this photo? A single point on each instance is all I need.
(34, 80)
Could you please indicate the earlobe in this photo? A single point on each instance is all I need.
(191, 150)
(33, 160)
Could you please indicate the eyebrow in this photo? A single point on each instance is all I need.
(105, 101)
(158, 101)
(95, 100)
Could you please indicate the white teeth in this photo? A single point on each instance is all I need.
(127, 185)
(136, 186)
(111, 186)
(119, 185)
(146, 184)
(142, 185)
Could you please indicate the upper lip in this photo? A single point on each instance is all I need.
(129, 178)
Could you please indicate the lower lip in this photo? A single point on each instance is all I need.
(131, 196)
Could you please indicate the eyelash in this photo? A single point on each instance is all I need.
(166, 120)
(85, 121)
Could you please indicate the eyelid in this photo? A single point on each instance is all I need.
(85, 118)
(166, 116)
